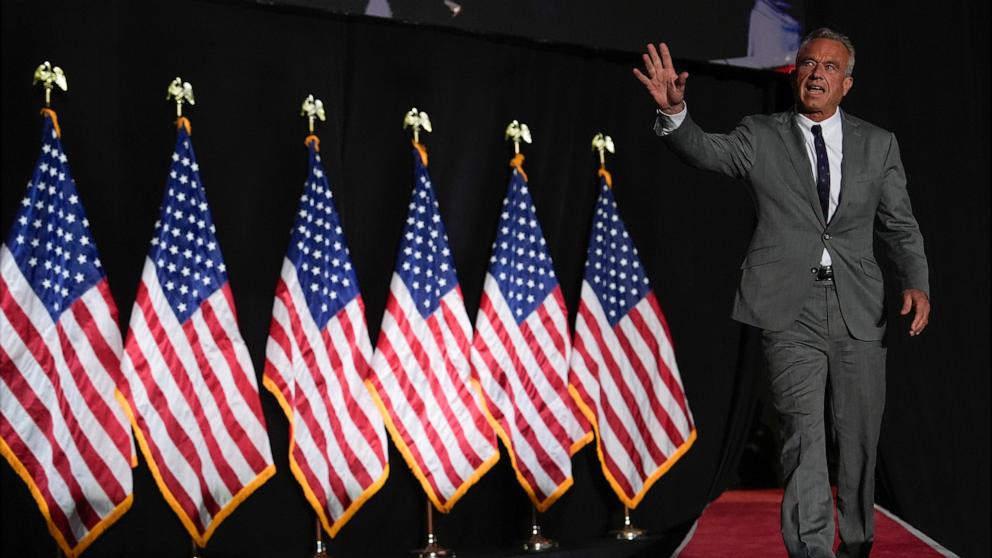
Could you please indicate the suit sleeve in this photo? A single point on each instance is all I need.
(897, 228)
(729, 154)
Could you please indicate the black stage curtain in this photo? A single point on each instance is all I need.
(251, 66)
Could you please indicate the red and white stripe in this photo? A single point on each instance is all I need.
(626, 378)
(338, 440)
(61, 426)
(523, 372)
(420, 377)
(194, 402)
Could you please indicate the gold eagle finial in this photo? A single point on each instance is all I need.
(518, 131)
(313, 108)
(417, 120)
(602, 143)
(50, 76)
(182, 92)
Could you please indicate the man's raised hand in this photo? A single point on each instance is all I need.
(665, 85)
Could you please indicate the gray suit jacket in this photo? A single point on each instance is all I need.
(767, 151)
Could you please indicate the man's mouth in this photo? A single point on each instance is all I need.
(815, 89)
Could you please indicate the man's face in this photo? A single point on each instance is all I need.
(820, 81)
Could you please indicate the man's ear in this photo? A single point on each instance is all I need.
(848, 82)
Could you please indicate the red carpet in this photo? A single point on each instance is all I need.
(745, 524)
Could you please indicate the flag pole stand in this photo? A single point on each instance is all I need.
(320, 548)
(537, 542)
(629, 532)
(432, 550)
(196, 550)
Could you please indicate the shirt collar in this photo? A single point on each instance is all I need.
(827, 126)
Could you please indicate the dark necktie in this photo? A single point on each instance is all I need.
(822, 171)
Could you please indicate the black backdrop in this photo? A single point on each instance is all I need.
(922, 75)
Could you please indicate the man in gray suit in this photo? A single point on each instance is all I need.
(826, 185)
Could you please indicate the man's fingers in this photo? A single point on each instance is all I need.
(655, 60)
(920, 303)
(922, 317)
(648, 65)
(907, 304)
(643, 78)
(680, 81)
(666, 57)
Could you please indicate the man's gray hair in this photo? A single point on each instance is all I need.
(827, 33)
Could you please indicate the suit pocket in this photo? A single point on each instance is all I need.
(871, 269)
(762, 256)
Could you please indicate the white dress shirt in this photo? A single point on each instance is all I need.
(833, 138)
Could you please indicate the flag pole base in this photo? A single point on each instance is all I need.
(320, 551)
(320, 548)
(538, 542)
(629, 532)
(434, 550)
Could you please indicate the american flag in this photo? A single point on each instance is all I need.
(61, 427)
(624, 373)
(420, 370)
(191, 388)
(316, 362)
(520, 353)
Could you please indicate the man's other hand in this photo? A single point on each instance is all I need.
(915, 299)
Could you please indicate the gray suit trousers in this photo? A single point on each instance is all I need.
(814, 355)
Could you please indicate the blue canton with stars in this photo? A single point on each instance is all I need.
(425, 264)
(50, 239)
(520, 262)
(612, 268)
(184, 250)
(318, 250)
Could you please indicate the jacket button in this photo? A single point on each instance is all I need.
(812, 271)
(826, 236)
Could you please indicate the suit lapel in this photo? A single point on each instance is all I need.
(853, 146)
(795, 147)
